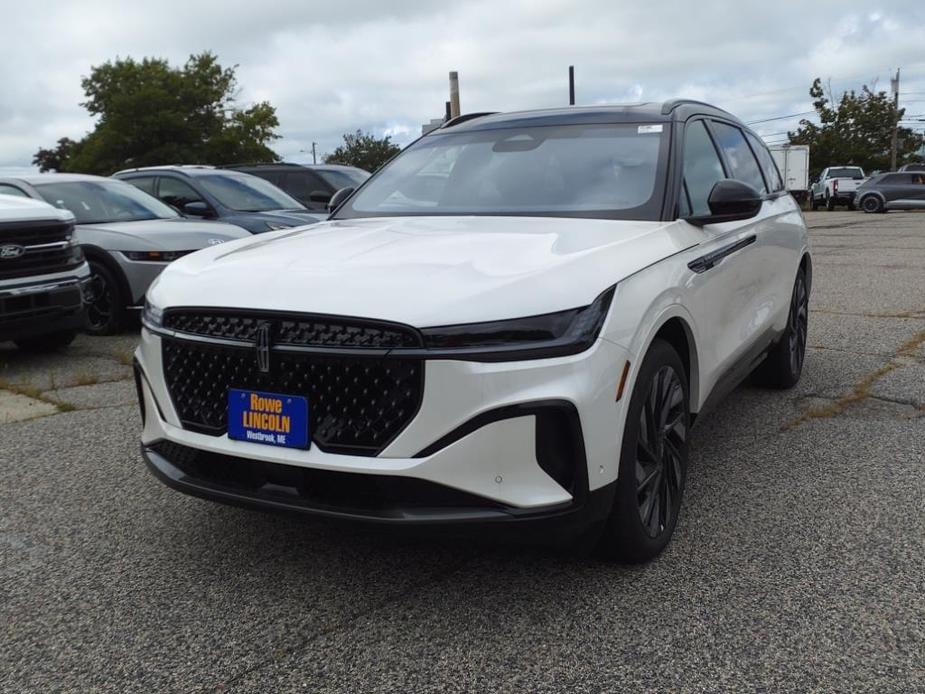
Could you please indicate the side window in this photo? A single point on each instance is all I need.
(741, 160)
(301, 184)
(702, 167)
(145, 183)
(771, 174)
(897, 179)
(7, 189)
(177, 193)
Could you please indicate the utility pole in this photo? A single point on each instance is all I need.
(894, 83)
(454, 94)
(571, 85)
(314, 154)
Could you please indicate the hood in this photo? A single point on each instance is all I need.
(157, 234)
(14, 208)
(424, 271)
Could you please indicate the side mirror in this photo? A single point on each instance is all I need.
(730, 201)
(197, 209)
(339, 198)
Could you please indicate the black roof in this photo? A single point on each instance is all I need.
(650, 112)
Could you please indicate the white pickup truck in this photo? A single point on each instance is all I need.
(836, 185)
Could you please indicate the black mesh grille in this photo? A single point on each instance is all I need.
(36, 261)
(294, 330)
(357, 404)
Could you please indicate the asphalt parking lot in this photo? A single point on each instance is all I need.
(799, 561)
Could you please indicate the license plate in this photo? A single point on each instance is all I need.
(269, 418)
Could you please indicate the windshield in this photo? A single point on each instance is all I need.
(342, 178)
(94, 202)
(606, 171)
(245, 193)
(847, 172)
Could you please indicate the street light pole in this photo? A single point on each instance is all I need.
(314, 155)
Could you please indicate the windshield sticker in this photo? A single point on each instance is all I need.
(643, 129)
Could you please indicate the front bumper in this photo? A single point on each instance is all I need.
(486, 447)
(30, 310)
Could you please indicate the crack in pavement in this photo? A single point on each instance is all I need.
(862, 388)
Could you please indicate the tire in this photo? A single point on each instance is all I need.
(813, 204)
(851, 206)
(871, 204)
(653, 460)
(784, 364)
(51, 342)
(106, 305)
(829, 202)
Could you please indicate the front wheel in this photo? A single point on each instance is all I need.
(105, 306)
(653, 460)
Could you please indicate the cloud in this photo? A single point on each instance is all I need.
(331, 68)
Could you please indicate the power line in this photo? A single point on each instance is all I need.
(768, 120)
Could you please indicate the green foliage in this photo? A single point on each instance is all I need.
(150, 113)
(363, 150)
(856, 131)
(53, 159)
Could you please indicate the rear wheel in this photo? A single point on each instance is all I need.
(105, 304)
(47, 343)
(784, 364)
(653, 460)
(871, 204)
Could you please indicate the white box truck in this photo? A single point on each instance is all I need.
(793, 162)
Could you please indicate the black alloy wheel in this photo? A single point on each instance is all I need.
(798, 325)
(871, 204)
(653, 460)
(104, 302)
(661, 438)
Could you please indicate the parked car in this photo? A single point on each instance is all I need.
(893, 191)
(524, 342)
(837, 185)
(229, 196)
(793, 163)
(912, 167)
(43, 274)
(311, 184)
(127, 236)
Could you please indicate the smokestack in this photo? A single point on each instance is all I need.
(454, 94)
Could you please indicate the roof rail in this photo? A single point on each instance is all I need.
(672, 104)
(464, 117)
(259, 163)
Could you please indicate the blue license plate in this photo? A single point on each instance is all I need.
(269, 418)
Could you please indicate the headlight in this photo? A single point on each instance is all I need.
(155, 256)
(546, 335)
(152, 316)
(277, 227)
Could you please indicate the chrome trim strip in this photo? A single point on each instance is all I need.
(57, 245)
(40, 288)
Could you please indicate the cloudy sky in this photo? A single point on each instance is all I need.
(333, 67)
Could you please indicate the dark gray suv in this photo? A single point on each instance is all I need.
(229, 196)
(892, 191)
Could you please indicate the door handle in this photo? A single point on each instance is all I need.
(711, 260)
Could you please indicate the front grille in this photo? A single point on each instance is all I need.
(357, 404)
(36, 260)
(291, 329)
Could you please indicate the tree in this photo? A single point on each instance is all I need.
(53, 159)
(150, 113)
(858, 130)
(363, 150)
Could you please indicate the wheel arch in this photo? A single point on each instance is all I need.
(95, 254)
(674, 325)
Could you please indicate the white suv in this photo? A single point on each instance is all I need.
(515, 322)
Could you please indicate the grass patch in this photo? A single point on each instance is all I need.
(85, 378)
